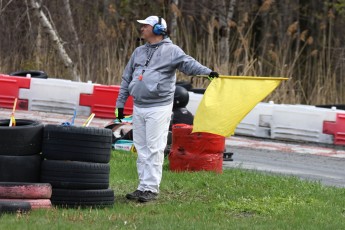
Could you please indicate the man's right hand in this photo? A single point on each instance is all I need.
(119, 113)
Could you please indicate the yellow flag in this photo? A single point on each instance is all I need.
(228, 99)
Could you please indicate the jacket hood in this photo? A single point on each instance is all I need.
(165, 40)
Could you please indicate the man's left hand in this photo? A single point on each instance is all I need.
(213, 75)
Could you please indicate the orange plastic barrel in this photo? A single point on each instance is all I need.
(195, 152)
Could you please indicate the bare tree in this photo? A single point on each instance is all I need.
(3, 8)
(53, 35)
(72, 30)
(173, 21)
(225, 16)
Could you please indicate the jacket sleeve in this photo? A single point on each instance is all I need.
(126, 79)
(187, 64)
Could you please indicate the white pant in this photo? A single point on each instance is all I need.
(150, 131)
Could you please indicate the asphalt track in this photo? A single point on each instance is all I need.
(307, 161)
(310, 162)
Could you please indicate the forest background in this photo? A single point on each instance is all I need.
(93, 40)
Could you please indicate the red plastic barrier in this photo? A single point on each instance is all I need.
(337, 129)
(103, 99)
(9, 90)
(197, 151)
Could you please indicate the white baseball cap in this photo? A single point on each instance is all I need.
(153, 20)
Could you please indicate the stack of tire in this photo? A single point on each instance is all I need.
(20, 160)
(20, 196)
(77, 165)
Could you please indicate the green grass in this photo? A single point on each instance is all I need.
(235, 199)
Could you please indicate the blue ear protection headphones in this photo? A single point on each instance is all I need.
(158, 29)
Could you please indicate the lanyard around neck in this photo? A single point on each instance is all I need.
(149, 57)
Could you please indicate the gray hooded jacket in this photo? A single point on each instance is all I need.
(153, 84)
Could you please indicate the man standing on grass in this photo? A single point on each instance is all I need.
(150, 77)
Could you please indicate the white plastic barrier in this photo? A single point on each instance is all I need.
(302, 123)
(284, 122)
(194, 101)
(257, 123)
(56, 95)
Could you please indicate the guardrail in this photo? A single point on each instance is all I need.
(9, 91)
(289, 122)
(60, 96)
(266, 120)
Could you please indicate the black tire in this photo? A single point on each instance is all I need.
(21, 140)
(77, 143)
(169, 138)
(14, 206)
(75, 175)
(33, 73)
(20, 168)
(167, 150)
(82, 198)
(227, 156)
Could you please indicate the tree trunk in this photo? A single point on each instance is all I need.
(39, 46)
(226, 14)
(72, 30)
(173, 20)
(106, 10)
(53, 35)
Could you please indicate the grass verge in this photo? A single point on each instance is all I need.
(236, 199)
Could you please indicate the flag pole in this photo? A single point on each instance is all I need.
(247, 77)
(12, 119)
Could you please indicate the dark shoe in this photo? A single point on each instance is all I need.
(134, 195)
(147, 196)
